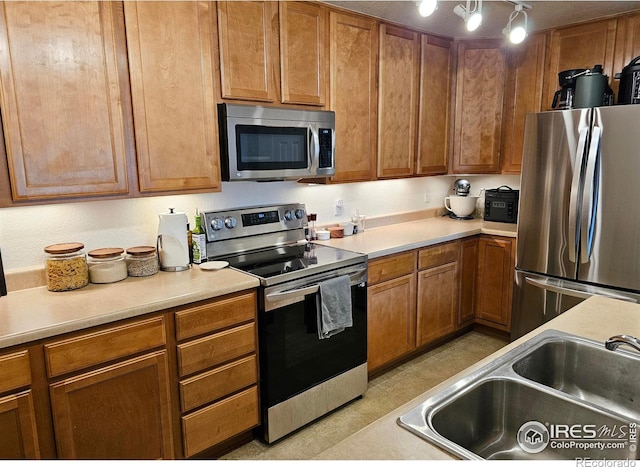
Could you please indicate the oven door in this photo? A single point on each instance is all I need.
(292, 357)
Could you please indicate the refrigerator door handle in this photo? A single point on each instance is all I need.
(573, 200)
(554, 285)
(590, 196)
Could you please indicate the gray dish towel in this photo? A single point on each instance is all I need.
(334, 306)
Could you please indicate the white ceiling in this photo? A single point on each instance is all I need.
(543, 15)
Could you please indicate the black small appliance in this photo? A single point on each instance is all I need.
(629, 90)
(501, 204)
(563, 99)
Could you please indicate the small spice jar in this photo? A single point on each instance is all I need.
(142, 261)
(107, 265)
(66, 267)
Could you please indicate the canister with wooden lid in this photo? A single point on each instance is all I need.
(107, 265)
(66, 267)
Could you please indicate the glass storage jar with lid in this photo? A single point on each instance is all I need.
(107, 265)
(66, 267)
(142, 261)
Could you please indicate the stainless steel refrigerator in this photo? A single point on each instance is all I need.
(579, 213)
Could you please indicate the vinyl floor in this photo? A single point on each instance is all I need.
(385, 393)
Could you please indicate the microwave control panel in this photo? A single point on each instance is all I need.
(326, 147)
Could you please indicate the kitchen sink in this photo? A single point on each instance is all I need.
(587, 371)
(557, 396)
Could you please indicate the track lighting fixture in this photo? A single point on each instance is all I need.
(471, 17)
(516, 34)
(427, 7)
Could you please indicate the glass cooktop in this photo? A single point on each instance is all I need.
(289, 262)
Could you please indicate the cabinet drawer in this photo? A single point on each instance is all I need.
(218, 348)
(103, 346)
(390, 267)
(217, 315)
(220, 421)
(438, 255)
(15, 371)
(215, 384)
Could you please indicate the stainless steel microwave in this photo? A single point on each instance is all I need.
(265, 143)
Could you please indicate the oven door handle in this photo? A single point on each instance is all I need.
(311, 289)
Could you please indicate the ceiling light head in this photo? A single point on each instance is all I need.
(427, 7)
(471, 17)
(516, 34)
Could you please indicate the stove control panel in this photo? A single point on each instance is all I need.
(252, 221)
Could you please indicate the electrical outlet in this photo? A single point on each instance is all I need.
(427, 197)
(337, 209)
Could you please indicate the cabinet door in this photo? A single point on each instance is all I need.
(397, 101)
(391, 320)
(118, 412)
(246, 37)
(525, 76)
(437, 310)
(468, 281)
(581, 46)
(496, 262)
(18, 436)
(64, 83)
(353, 63)
(627, 45)
(480, 87)
(432, 155)
(303, 60)
(173, 95)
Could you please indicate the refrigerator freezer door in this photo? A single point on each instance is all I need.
(610, 253)
(551, 192)
(538, 299)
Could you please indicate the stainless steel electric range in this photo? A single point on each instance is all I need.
(302, 377)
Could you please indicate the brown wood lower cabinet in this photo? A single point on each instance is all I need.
(391, 320)
(420, 297)
(18, 436)
(217, 364)
(167, 385)
(496, 262)
(117, 412)
(437, 302)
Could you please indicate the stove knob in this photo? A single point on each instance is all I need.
(230, 222)
(216, 223)
(289, 215)
(299, 213)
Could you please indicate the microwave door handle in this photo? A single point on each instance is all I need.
(573, 200)
(314, 144)
(590, 196)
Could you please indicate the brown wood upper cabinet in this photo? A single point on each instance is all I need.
(581, 46)
(353, 62)
(480, 88)
(627, 45)
(173, 97)
(397, 101)
(64, 101)
(436, 62)
(248, 40)
(523, 93)
(303, 57)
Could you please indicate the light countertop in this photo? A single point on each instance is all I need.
(35, 313)
(31, 314)
(396, 238)
(596, 318)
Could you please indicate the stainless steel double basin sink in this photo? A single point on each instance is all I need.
(556, 396)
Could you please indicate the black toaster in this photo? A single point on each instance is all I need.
(501, 204)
